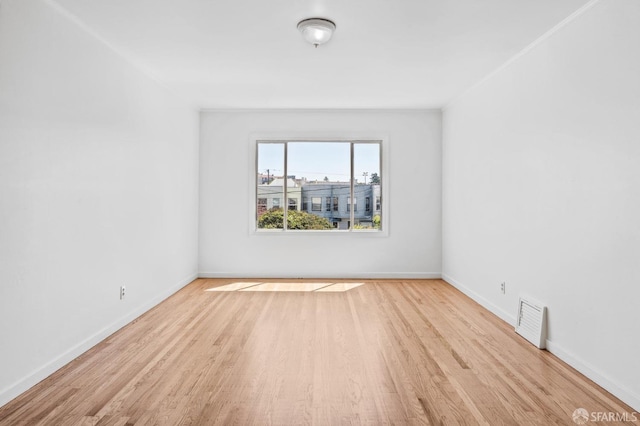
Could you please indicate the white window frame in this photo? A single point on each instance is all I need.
(382, 140)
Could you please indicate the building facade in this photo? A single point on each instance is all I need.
(330, 200)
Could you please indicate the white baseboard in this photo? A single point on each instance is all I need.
(504, 315)
(21, 386)
(367, 275)
(621, 392)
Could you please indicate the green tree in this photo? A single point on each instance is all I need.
(274, 218)
(375, 179)
(374, 225)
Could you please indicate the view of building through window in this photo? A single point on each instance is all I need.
(328, 185)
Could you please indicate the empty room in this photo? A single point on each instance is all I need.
(319, 212)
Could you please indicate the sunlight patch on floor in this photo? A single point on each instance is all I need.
(304, 287)
(232, 287)
(287, 287)
(337, 287)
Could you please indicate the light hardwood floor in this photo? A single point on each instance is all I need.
(386, 352)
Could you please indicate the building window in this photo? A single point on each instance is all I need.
(320, 176)
(262, 206)
(355, 204)
(316, 204)
(377, 204)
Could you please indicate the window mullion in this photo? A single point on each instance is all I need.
(351, 201)
(285, 208)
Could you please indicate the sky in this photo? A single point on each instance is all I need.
(315, 160)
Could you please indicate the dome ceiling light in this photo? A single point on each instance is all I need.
(316, 31)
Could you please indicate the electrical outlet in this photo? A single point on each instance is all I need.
(123, 290)
(503, 287)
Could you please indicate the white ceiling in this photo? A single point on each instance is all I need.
(384, 53)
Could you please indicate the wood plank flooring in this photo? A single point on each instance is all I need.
(385, 352)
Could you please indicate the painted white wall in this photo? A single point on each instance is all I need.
(412, 247)
(541, 178)
(98, 188)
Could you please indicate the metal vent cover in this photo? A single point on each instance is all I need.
(532, 322)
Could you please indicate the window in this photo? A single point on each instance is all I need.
(378, 204)
(327, 178)
(262, 206)
(355, 205)
(316, 204)
(270, 185)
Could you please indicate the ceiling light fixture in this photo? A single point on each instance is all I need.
(316, 31)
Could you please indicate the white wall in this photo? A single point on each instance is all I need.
(541, 185)
(98, 188)
(413, 246)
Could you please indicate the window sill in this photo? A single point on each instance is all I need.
(298, 233)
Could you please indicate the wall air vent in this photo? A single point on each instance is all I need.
(532, 322)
